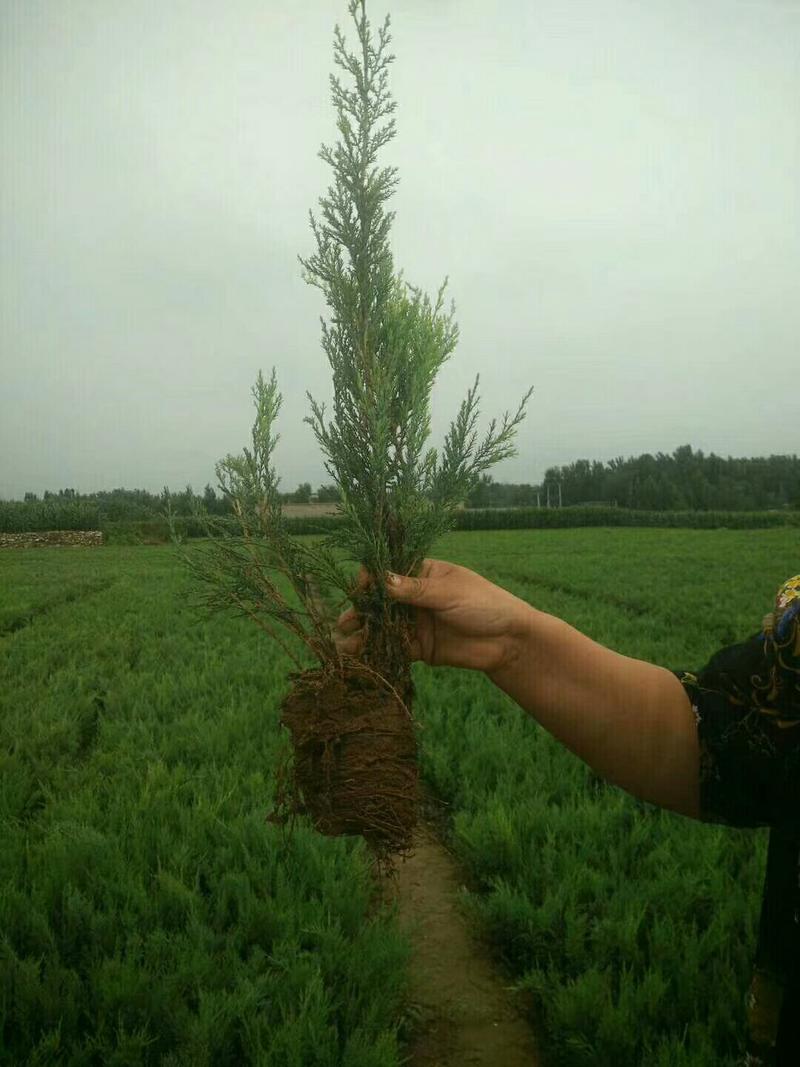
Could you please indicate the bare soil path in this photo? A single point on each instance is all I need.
(466, 1014)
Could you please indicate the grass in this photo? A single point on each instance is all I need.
(633, 927)
(148, 911)
(150, 914)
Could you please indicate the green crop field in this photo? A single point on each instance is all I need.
(150, 914)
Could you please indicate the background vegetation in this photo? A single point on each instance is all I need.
(683, 481)
(150, 914)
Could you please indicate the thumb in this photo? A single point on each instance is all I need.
(412, 590)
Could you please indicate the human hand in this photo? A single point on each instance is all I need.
(460, 618)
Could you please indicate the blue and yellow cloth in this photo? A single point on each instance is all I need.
(747, 704)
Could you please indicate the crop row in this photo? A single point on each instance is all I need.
(19, 518)
(152, 914)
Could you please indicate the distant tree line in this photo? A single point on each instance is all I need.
(132, 505)
(683, 481)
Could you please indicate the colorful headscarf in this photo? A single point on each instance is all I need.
(764, 671)
(780, 685)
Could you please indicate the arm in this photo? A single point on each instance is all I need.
(631, 721)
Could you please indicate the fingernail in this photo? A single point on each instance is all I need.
(392, 579)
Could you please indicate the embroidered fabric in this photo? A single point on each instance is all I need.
(746, 702)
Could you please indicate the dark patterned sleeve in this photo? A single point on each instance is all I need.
(749, 765)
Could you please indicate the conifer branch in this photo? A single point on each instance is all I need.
(385, 344)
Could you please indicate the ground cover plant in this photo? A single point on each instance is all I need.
(633, 928)
(350, 717)
(529, 518)
(149, 913)
(42, 583)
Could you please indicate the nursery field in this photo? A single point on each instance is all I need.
(149, 914)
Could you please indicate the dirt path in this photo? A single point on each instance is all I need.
(466, 1013)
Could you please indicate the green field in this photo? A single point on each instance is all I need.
(149, 914)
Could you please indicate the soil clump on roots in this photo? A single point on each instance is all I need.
(354, 767)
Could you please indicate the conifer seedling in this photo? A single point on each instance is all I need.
(354, 755)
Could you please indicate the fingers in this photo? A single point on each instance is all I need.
(354, 644)
(350, 646)
(431, 592)
(363, 581)
(347, 632)
(428, 590)
(349, 621)
(364, 577)
(427, 568)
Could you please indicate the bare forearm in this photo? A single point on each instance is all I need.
(629, 720)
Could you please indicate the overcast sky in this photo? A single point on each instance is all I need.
(612, 187)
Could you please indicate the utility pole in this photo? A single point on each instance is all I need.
(559, 494)
(548, 494)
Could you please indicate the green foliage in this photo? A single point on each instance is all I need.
(488, 519)
(552, 518)
(302, 494)
(16, 517)
(149, 913)
(68, 510)
(159, 531)
(491, 494)
(633, 928)
(685, 480)
(244, 569)
(34, 515)
(385, 350)
(150, 532)
(329, 494)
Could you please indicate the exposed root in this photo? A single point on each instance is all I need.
(354, 769)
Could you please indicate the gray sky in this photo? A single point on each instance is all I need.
(612, 187)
